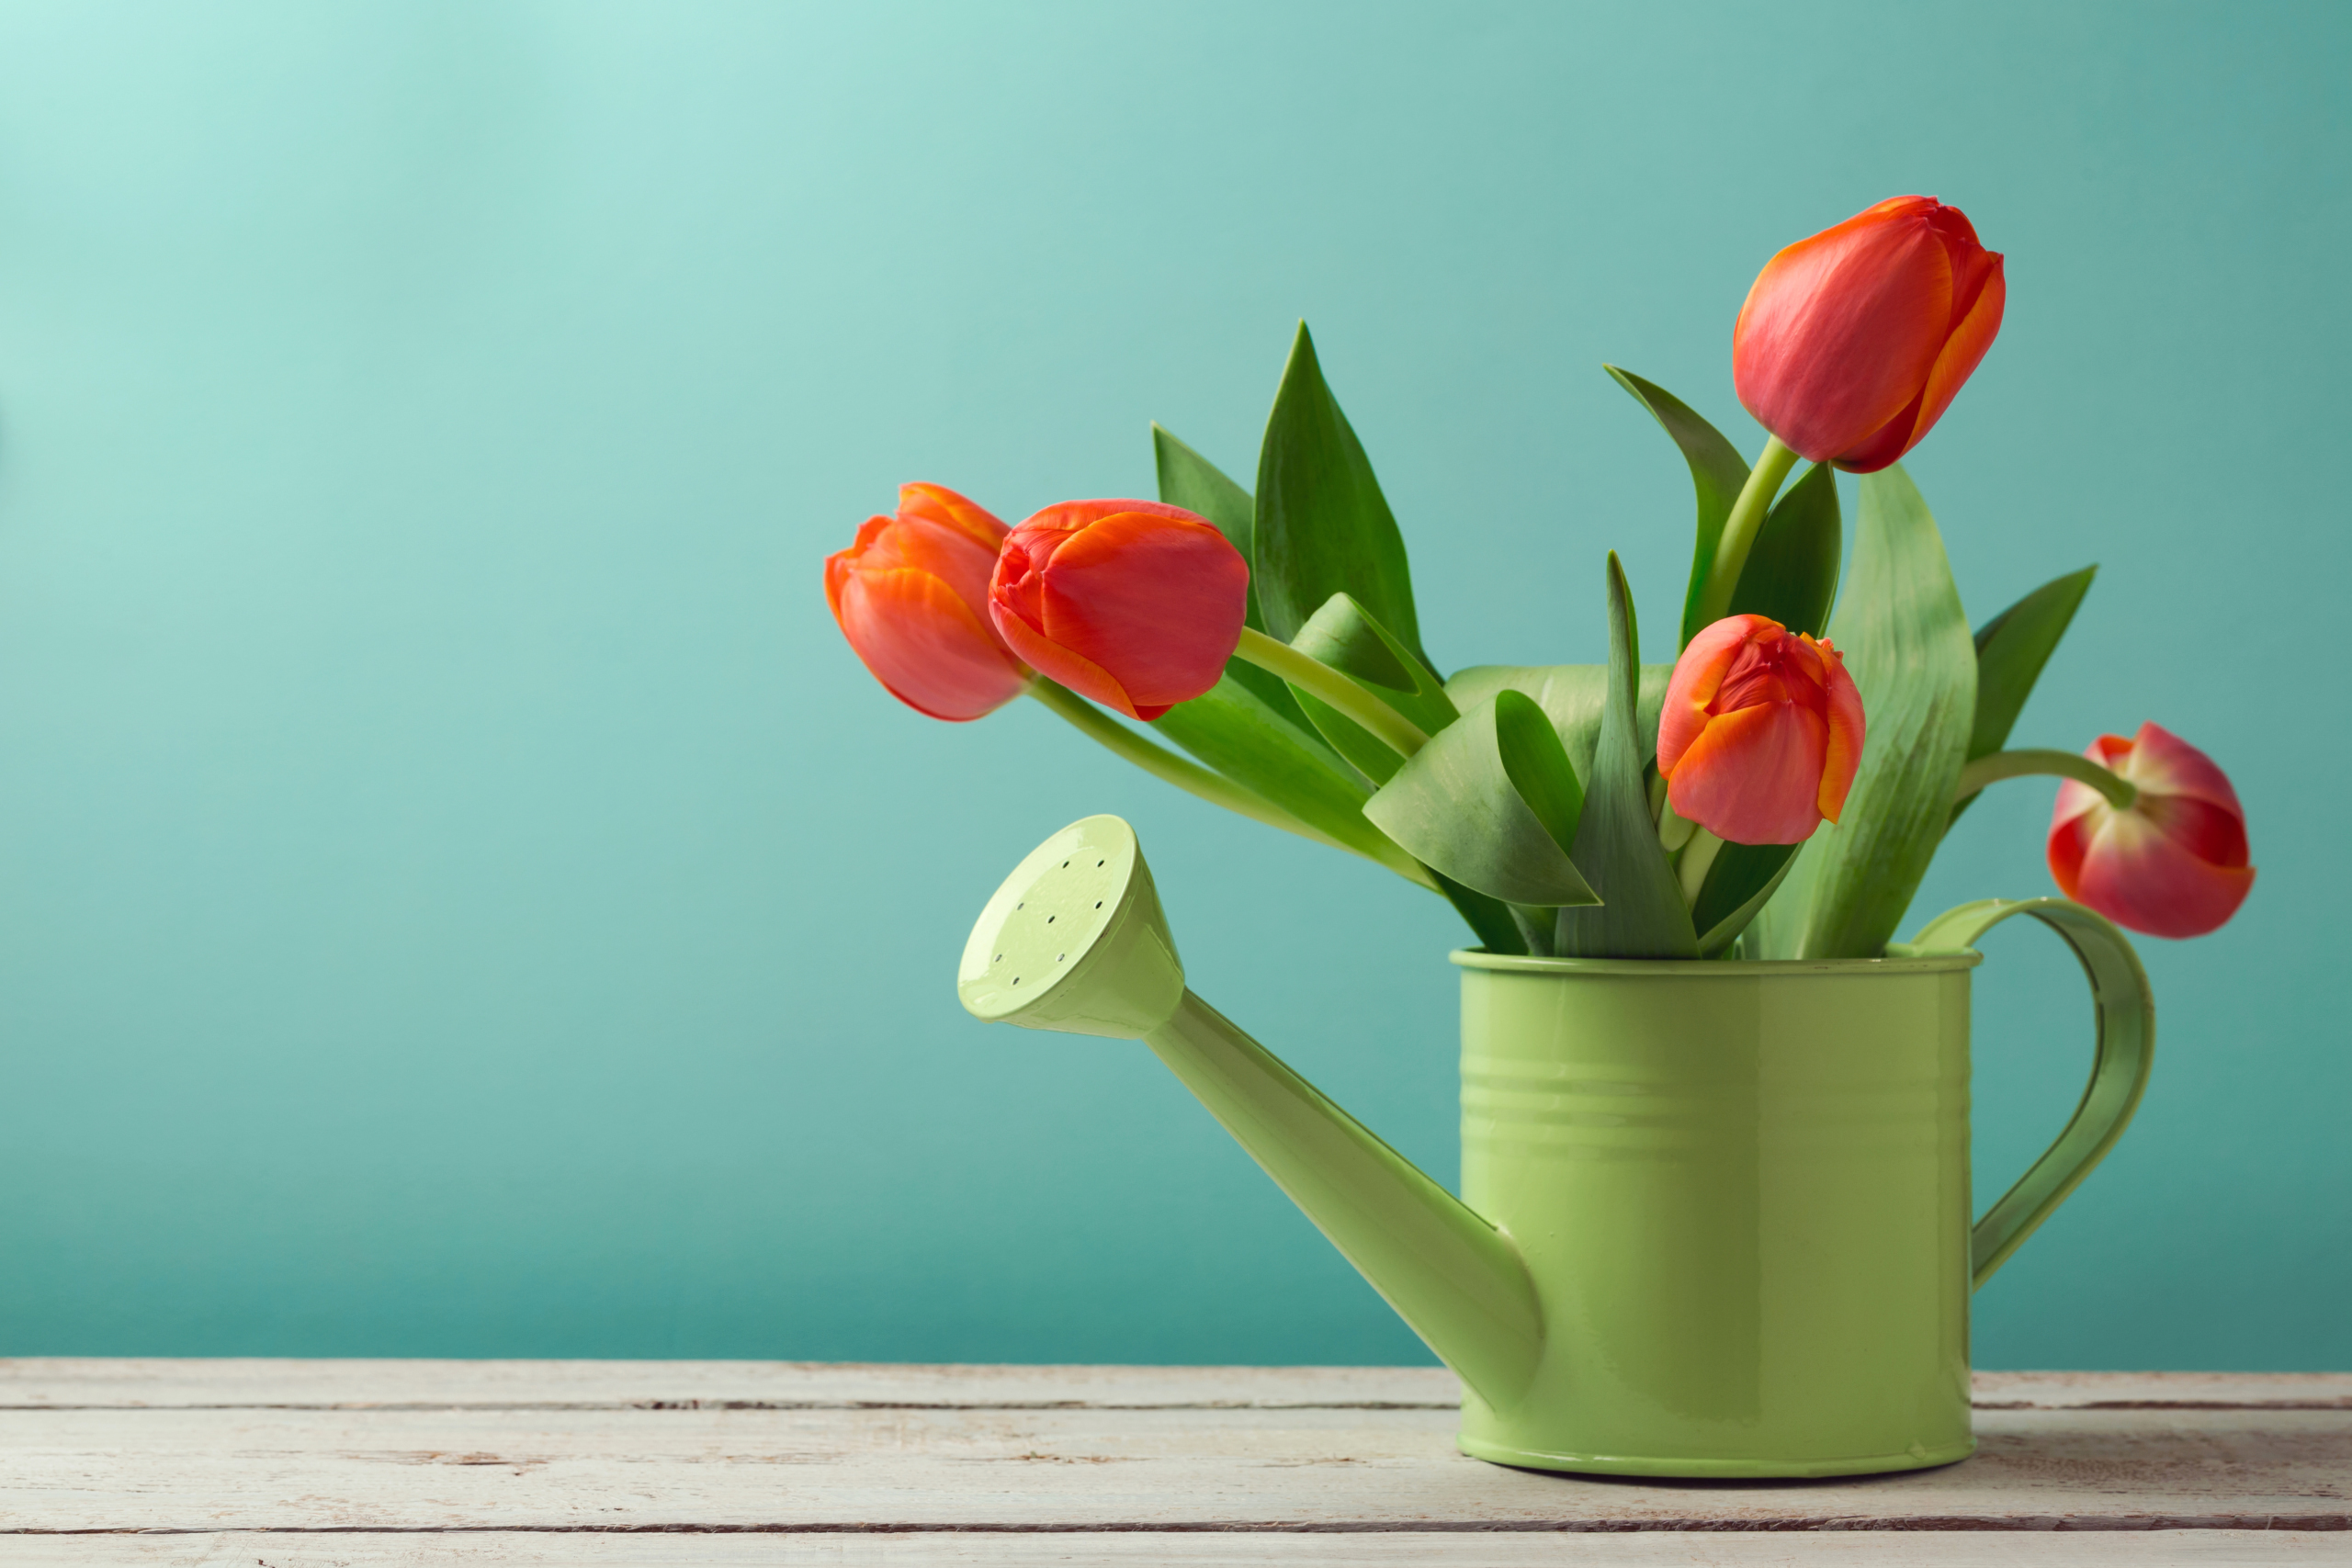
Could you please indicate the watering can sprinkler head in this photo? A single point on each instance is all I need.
(1074, 941)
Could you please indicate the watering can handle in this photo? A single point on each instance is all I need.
(2126, 1045)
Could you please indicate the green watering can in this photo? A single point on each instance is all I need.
(1714, 1217)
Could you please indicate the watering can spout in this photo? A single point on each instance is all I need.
(1075, 940)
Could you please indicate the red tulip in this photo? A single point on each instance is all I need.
(1853, 342)
(911, 596)
(2173, 863)
(1761, 734)
(1133, 604)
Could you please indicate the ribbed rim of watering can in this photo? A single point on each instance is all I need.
(1716, 968)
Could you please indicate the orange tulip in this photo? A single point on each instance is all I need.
(2173, 862)
(912, 596)
(1761, 733)
(1853, 342)
(1133, 604)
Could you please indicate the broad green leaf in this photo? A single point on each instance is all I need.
(1498, 931)
(1717, 473)
(1233, 730)
(1571, 696)
(1905, 642)
(1343, 635)
(2012, 648)
(1791, 570)
(1538, 765)
(1642, 914)
(1741, 881)
(1322, 525)
(1192, 481)
(1459, 804)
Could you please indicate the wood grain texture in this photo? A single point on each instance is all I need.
(1665, 1549)
(997, 1462)
(133, 1383)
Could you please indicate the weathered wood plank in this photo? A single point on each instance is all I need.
(1938, 1548)
(132, 1382)
(1043, 1469)
(356, 1384)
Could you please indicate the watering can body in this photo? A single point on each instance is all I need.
(1715, 1215)
(1742, 1193)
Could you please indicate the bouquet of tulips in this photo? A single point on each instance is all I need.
(1776, 791)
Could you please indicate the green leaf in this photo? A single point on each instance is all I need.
(1322, 525)
(1490, 919)
(1343, 635)
(2012, 648)
(1717, 473)
(1741, 881)
(1905, 642)
(1571, 696)
(1192, 481)
(1490, 802)
(1791, 570)
(1233, 730)
(1642, 914)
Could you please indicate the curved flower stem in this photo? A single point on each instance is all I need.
(1747, 520)
(2119, 791)
(1162, 763)
(1317, 679)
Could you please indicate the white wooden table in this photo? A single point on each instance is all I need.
(294, 1463)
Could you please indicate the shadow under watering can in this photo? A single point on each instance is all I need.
(1715, 1215)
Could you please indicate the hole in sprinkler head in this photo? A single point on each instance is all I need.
(1022, 905)
(1016, 980)
(1098, 903)
(1098, 862)
(1049, 920)
(1059, 957)
(1065, 865)
(998, 959)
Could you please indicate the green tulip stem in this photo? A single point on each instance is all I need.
(2119, 791)
(1210, 786)
(1318, 680)
(1162, 763)
(1747, 520)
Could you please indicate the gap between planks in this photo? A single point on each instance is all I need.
(64, 1383)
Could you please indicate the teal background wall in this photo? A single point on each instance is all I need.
(459, 897)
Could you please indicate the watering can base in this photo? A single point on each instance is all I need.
(1715, 1469)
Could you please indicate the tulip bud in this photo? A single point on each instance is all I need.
(1136, 604)
(1853, 342)
(912, 596)
(2173, 862)
(1761, 733)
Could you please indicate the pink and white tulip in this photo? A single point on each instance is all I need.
(2173, 862)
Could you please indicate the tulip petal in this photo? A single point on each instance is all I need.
(1070, 516)
(1961, 353)
(1843, 757)
(2158, 761)
(1076, 672)
(2070, 840)
(1754, 776)
(1841, 329)
(1158, 599)
(2137, 876)
(943, 550)
(924, 644)
(938, 504)
(1698, 676)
